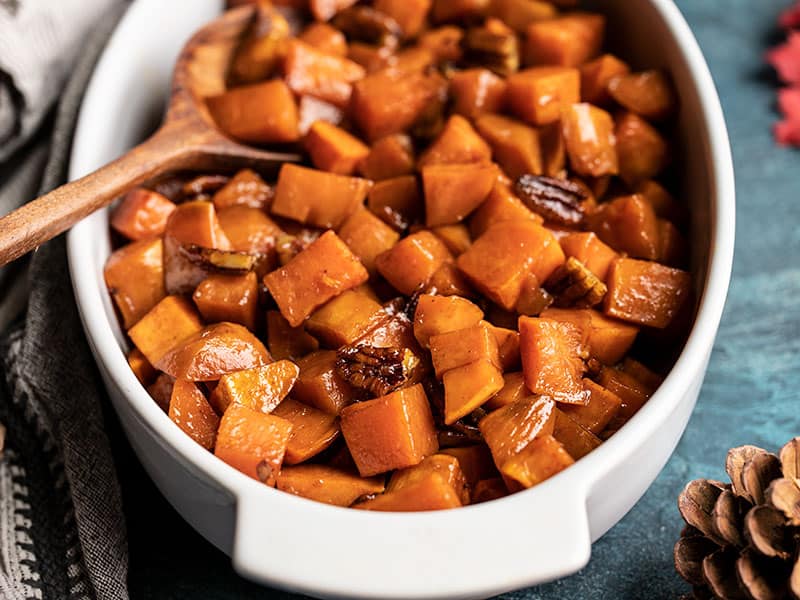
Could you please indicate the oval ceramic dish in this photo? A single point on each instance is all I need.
(477, 551)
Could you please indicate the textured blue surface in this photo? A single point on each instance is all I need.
(750, 394)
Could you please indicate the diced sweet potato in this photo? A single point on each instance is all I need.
(430, 493)
(344, 319)
(632, 393)
(606, 339)
(324, 76)
(285, 341)
(252, 442)
(513, 390)
(409, 14)
(628, 224)
(161, 390)
(396, 201)
(390, 156)
(455, 237)
(261, 47)
(390, 432)
(552, 359)
(440, 314)
(412, 261)
(587, 248)
(664, 204)
(260, 388)
(333, 149)
(167, 324)
(313, 109)
(498, 261)
(448, 281)
(453, 191)
(508, 430)
(638, 371)
(477, 91)
(577, 440)
(642, 151)
(393, 331)
(649, 94)
(603, 406)
(489, 489)
(141, 214)
(461, 347)
(134, 275)
(246, 188)
(589, 140)
(518, 14)
(457, 143)
(326, 484)
(312, 430)
(500, 205)
(554, 154)
(232, 298)
(456, 10)
(475, 461)
(325, 38)
(538, 95)
(372, 58)
(315, 198)
(190, 411)
(367, 236)
(645, 293)
(320, 272)
(444, 42)
(540, 460)
(672, 247)
(567, 41)
(141, 367)
(263, 113)
(250, 230)
(595, 76)
(507, 347)
(196, 223)
(319, 385)
(469, 387)
(445, 465)
(213, 351)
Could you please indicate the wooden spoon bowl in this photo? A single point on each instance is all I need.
(188, 139)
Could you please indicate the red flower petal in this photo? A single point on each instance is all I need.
(787, 133)
(786, 58)
(790, 18)
(789, 102)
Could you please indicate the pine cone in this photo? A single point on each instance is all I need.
(742, 539)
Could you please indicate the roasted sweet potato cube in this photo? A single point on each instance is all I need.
(319, 385)
(262, 46)
(501, 205)
(412, 261)
(603, 406)
(577, 440)
(444, 42)
(453, 191)
(567, 41)
(513, 390)
(538, 95)
(246, 188)
(161, 390)
(390, 101)
(409, 14)
(315, 198)
(262, 113)
(552, 359)
(444, 11)
(477, 91)
(642, 151)
(595, 76)
(253, 442)
(432, 492)
(234, 298)
(445, 465)
(312, 430)
(190, 411)
(134, 275)
(196, 223)
(632, 393)
(540, 460)
(672, 247)
(167, 324)
(397, 201)
(587, 248)
(390, 156)
(320, 272)
(326, 484)
(440, 314)
(649, 94)
(141, 214)
(518, 14)
(324, 76)
(333, 149)
(628, 224)
(141, 367)
(461, 347)
(638, 371)
(509, 429)
(250, 230)
(469, 387)
(455, 237)
(208, 354)
(344, 319)
(457, 143)
(475, 461)
(606, 339)
(645, 293)
(515, 146)
(449, 281)
(372, 58)
(498, 261)
(313, 109)
(664, 204)
(285, 341)
(367, 236)
(507, 346)
(390, 432)
(589, 140)
(260, 388)
(489, 489)
(325, 38)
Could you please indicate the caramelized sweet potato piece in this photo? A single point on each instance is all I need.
(430, 493)
(489, 489)
(412, 261)
(444, 42)
(501, 205)
(344, 319)
(595, 76)
(260, 388)
(167, 324)
(587, 248)
(262, 46)
(448, 281)
(326, 484)
(607, 339)
(461, 347)
(649, 94)
(161, 390)
(134, 275)
(632, 393)
(457, 143)
(325, 10)
(567, 41)
(409, 14)
(552, 359)
(333, 149)
(477, 91)
(672, 247)
(518, 14)
(320, 272)
(446, 466)
(397, 201)
(645, 293)
(390, 432)
(285, 341)
(196, 223)
(246, 188)
(262, 113)
(141, 367)
(313, 109)
(589, 140)
(253, 442)
(577, 440)
(513, 390)
(141, 214)
(315, 198)
(642, 151)
(251, 231)
(436, 315)
(664, 204)
(628, 224)
(540, 460)
(475, 461)
(515, 146)
(312, 430)
(232, 298)
(390, 156)
(319, 385)
(325, 38)
(508, 430)
(602, 408)
(538, 95)
(469, 387)
(367, 236)
(455, 237)
(456, 10)
(190, 411)
(638, 371)
(324, 76)
(453, 191)
(507, 346)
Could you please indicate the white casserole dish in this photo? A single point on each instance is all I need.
(478, 551)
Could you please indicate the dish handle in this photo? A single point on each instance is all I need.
(472, 552)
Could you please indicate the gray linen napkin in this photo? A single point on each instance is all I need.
(62, 532)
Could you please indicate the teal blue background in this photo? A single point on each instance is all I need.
(750, 394)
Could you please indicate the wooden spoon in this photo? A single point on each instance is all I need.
(187, 140)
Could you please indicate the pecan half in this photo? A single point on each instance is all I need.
(494, 49)
(203, 186)
(379, 371)
(368, 25)
(557, 200)
(574, 285)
